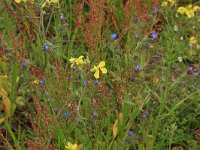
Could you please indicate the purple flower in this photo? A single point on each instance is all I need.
(42, 81)
(154, 35)
(24, 64)
(94, 114)
(96, 81)
(145, 116)
(138, 67)
(46, 47)
(190, 68)
(62, 17)
(113, 36)
(74, 68)
(130, 132)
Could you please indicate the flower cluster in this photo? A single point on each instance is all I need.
(188, 10)
(76, 61)
(166, 2)
(96, 69)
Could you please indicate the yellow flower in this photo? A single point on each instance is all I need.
(54, 1)
(196, 8)
(190, 13)
(71, 146)
(77, 61)
(193, 40)
(36, 82)
(48, 2)
(172, 1)
(181, 10)
(19, 1)
(164, 4)
(101, 66)
(189, 6)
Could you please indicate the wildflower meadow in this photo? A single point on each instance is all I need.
(99, 74)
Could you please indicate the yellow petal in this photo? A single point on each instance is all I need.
(104, 70)
(190, 13)
(96, 75)
(196, 8)
(68, 145)
(54, 1)
(74, 147)
(94, 69)
(72, 60)
(101, 64)
(81, 57)
(43, 5)
(18, 1)
(181, 10)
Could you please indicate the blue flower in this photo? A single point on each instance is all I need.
(130, 132)
(145, 116)
(66, 113)
(42, 81)
(138, 67)
(46, 47)
(96, 81)
(23, 63)
(113, 36)
(154, 35)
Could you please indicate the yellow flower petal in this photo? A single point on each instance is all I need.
(189, 6)
(193, 40)
(94, 69)
(18, 1)
(104, 70)
(96, 75)
(71, 146)
(164, 4)
(196, 8)
(72, 60)
(43, 5)
(54, 1)
(74, 147)
(190, 13)
(181, 10)
(101, 64)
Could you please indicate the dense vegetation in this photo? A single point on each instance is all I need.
(100, 74)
